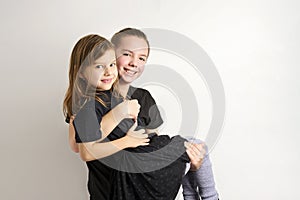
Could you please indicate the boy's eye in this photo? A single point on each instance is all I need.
(126, 54)
(112, 64)
(142, 59)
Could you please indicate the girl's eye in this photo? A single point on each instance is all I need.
(100, 67)
(112, 64)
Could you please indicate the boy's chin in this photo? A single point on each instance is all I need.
(127, 80)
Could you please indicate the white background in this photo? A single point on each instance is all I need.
(254, 44)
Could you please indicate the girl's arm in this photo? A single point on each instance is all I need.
(96, 150)
(126, 109)
(148, 131)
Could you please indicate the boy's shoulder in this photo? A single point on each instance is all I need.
(138, 92)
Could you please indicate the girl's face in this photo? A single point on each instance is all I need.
(132, 53)
(103, 72)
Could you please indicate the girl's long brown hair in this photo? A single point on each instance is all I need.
(85, 52)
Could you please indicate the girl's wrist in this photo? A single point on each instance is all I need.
(118, 113)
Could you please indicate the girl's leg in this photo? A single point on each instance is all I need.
(189, 185)
(201, 182)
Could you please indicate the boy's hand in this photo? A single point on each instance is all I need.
(136, 138)
(196, 153)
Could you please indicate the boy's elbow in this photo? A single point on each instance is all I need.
(84, 154)
(85, 157)
(74, 147)
(75, 150)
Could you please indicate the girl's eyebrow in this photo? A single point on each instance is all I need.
(95, 63)
(133, 52)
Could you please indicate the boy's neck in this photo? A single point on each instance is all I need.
(123, 88)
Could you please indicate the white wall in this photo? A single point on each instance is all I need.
(254, 45)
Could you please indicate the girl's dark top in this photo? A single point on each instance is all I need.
(152, 172)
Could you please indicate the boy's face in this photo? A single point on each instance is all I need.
(103, 72)
(132, 53)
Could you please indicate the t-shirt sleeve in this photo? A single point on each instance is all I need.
(149, 112)
(87, 124)
(67, 120)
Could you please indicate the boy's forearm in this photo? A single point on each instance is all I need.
(95, 150)
(72, 142)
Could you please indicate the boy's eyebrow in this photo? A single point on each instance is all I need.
(133, 52)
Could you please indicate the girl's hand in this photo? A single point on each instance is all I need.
(136, 138)
(127, 109)
(196, 153)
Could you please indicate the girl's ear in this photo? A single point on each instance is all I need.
(81, 75)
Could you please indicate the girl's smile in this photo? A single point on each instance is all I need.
(107, 81)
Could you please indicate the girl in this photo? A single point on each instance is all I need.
(132, 49)
(93, 70)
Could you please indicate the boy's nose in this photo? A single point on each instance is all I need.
(133, 62)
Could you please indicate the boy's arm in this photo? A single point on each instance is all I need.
(196, 153)
(96, 150)
(72, 142)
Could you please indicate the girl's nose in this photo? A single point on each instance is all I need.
(108, 71)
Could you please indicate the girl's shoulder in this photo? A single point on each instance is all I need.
(100, 104)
